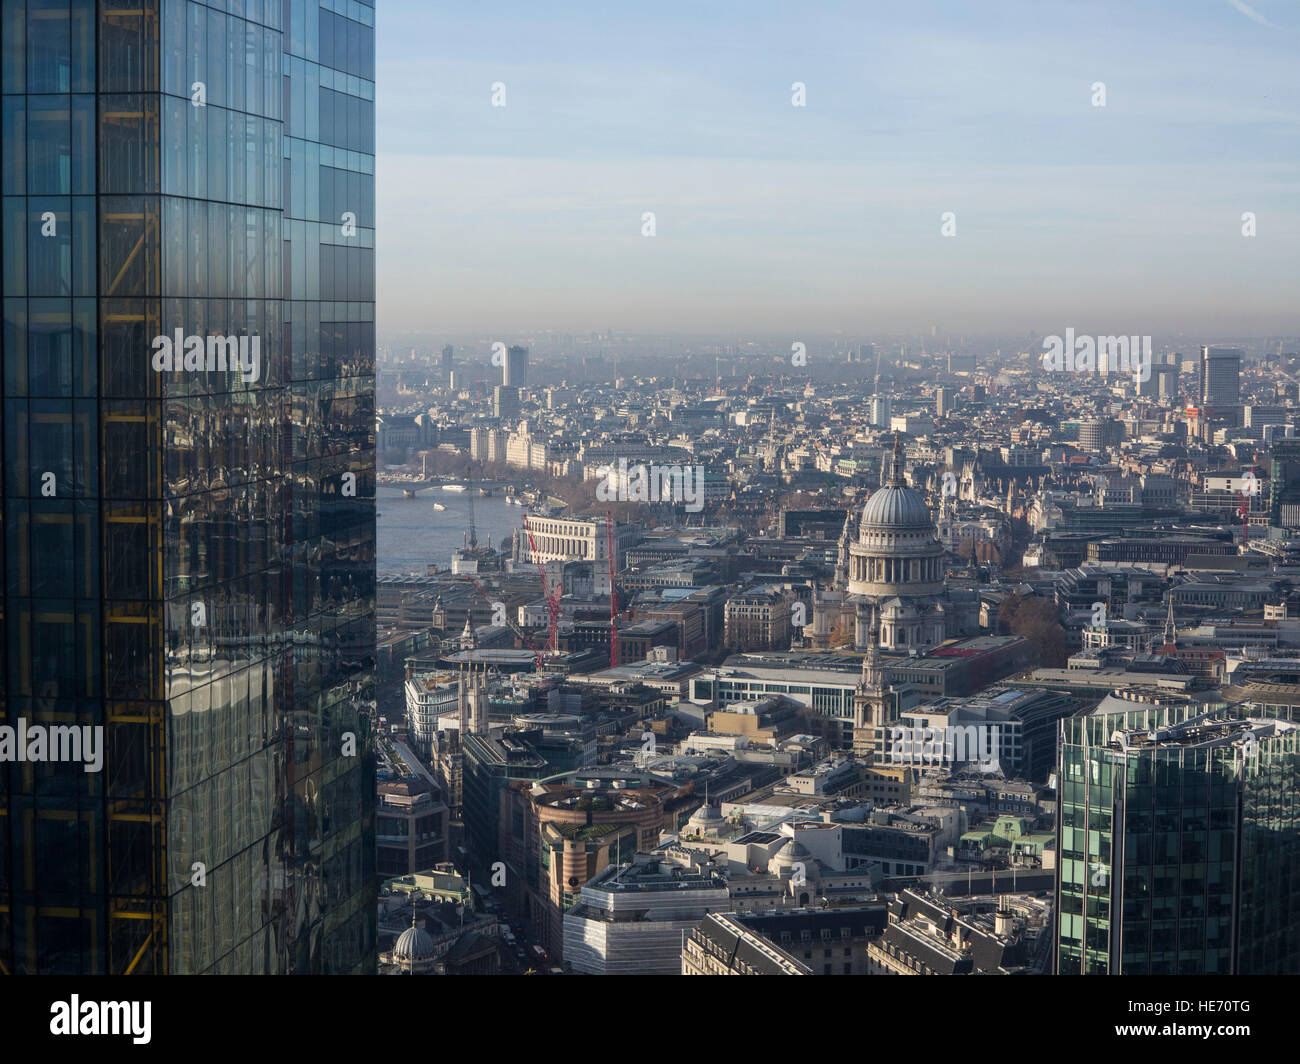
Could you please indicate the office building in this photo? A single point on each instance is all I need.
(1220, 380)
(832, 941)
(554, 838)
(1166, 379)
(881, 411)
(489, 445)
(1178, 842)
(1024, 722)
(1284, 488)
(189, 500)
(1152, 387)
(515, 371)
(448, 354)
(491, 763)
(759, 618)
(828, 684)
(431, 700)
(721, 945)
(525, 451)
(576, 539)
(505, 402)
(410, 827)
(932, 935)
(1257, 417)
(1097, 436)
(945, 401)
(630, 919)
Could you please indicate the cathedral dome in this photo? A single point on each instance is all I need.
(895, 507)
(897, 553)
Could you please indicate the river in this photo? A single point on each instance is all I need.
(411, 533)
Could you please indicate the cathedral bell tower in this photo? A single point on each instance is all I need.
(873, 709)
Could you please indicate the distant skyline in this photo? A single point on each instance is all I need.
(779, 219)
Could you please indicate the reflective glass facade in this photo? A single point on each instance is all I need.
(1284, 488)
(1177, 858)
(189, 547)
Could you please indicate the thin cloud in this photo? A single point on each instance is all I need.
(1251, 13)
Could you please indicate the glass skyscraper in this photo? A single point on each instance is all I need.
(1284, 488)
(188, 505)
(1178, 845)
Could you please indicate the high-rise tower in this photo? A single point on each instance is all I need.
(515, 371)
(1284, 488)
(1179, 843)
(1220, 383)
(188, 506)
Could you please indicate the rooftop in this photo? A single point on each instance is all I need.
(1203, 732)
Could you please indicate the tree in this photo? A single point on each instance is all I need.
(1007, 610)
(1035, 619)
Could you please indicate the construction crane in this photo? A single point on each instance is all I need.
(613, 591)
(551, 594)
(524, 637)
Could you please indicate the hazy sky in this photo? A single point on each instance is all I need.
(770, 217)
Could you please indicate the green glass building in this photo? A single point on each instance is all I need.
(1284, 488)
(1178, 843)
(188, 498)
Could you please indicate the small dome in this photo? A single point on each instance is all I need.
(790, 852)
(414, 944)
(707, 816)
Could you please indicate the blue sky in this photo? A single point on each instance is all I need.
(775, 218)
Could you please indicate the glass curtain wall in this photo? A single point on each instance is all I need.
(188, 504)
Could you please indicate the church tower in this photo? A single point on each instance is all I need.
(872, 705)
(841, 578)
(478, 701)
(462, 703)
(1171, 632)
